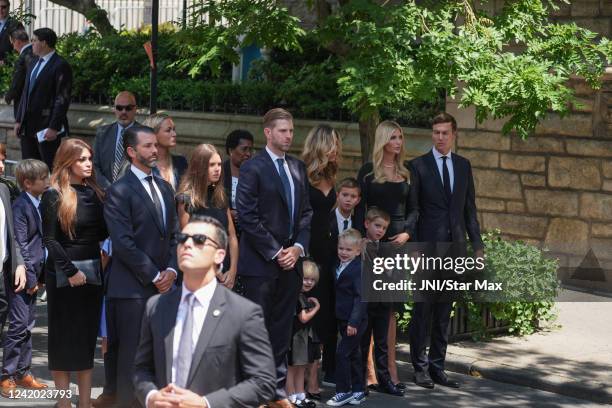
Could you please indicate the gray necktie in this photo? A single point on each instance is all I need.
(119, 156)
(185, 349)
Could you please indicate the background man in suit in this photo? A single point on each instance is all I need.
(203, 345)
(109, 157)
(33, 177)
(141, 217)
(7, 26)
(275, 213)
(45, 100)
(443, 191)
(21, 44)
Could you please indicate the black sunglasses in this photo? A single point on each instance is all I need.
(126, 108)
(198, 239)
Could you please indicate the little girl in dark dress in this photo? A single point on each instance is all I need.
(304, 345)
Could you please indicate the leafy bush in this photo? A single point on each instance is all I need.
(530, 288)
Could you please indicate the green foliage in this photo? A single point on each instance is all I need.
(530, 288)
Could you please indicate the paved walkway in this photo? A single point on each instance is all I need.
(573, 356)
(569, 354)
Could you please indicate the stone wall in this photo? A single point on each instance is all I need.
(553, 189)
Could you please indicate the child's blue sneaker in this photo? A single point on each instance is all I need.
(358, 398)
(341, 398)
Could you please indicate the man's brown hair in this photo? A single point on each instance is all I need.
(275, 114)
(444, 117)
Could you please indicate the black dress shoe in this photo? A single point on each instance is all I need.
(313, 396)
(390, 388)
(422, 379)
(440, 377)
(373, 387)
(401, 385)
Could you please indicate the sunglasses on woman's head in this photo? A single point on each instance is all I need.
(198, 239)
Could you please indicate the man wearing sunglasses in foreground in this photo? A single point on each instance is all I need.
(110, 162)
(202, 345)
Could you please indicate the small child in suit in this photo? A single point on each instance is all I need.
(303, 346)
(33, 178)
(351, 317)
(343, 216)
(378, 313)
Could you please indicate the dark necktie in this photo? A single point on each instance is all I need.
(156, 201)
(119, 156)
(34, 75)
(287, 189)
(446, 179)
(185, 349)
(344, 225)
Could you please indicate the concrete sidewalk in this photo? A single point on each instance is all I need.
(572, 357)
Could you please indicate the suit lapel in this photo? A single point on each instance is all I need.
(297, 182)
(433, 168)
(273, 170)
(34, 211)
(43, 72)
(460, 175)
(215, 313)
(146, 199)
(168, 323)
(168, 197)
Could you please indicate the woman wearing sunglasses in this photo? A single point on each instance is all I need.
(201, 192)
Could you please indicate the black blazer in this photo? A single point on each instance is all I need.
(5, 41)
(141, 246)
(349, 306)
(264, 216)
(104, 153)
(19, 76)
(232, 364)
(14, 253)
(47, 105)
(28, 235)
(439, 218)
(333, 227)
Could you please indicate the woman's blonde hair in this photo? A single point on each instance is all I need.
(69, 153)
(317, 146)
(155, 121)
(384, 131)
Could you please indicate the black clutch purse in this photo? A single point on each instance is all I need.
(92, 268)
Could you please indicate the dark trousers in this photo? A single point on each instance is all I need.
(5, 286)
(17, 356)
(425, 314)
(123, 320)
(377, 326)
(45, 151)
(349, 368)
(278, 298)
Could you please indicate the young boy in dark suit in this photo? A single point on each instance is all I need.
(343, 216)
(351, 315)
(33, 178)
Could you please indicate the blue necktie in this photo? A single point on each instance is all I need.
(446, 179)
(34, 75)
(287, 189)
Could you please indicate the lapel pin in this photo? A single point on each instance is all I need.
(216, 313)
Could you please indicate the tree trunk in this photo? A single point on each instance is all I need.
(91, 11)
(367, 129)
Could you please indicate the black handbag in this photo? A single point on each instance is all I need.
(92, 268)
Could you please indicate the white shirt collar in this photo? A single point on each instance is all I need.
(340, 216)
(139, 173)
(24, 48)
(438, 155)
(274, 156)
(47, 57)
(120, 126)
(204, 294)
(35, 201)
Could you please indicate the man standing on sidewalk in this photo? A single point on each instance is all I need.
(443, 189)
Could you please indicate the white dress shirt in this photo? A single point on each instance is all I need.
(42, 61)
(288, 172)
(341, 268)
(449, 164)
(203, 296)
(340, 220)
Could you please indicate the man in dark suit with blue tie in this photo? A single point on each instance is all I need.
(44, 101)
(21, 44)
(141, 218)
(109, 158)
(442, 189)
(275, 214)
(7, 26)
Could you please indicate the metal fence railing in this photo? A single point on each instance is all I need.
(122, 14)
